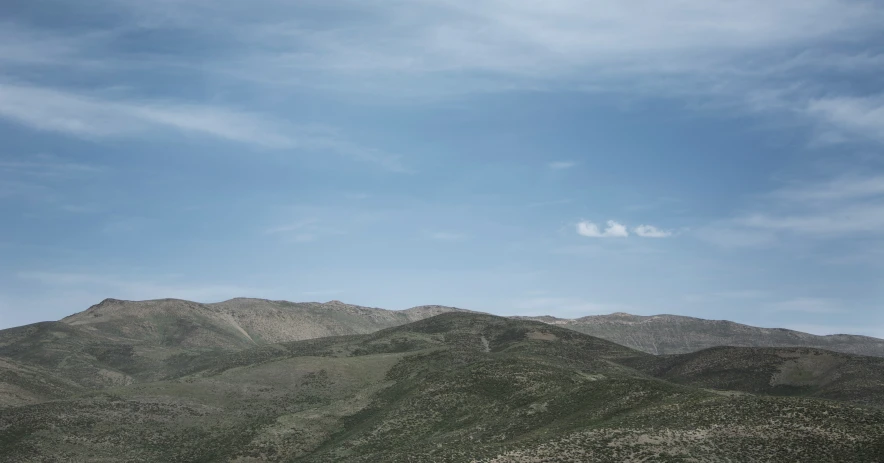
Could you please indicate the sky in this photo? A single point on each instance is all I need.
(721, 160)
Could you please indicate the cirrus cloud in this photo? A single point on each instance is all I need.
(94, 117)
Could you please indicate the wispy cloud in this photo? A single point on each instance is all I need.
(835, 208)
(561, 165)
(303, 231)
(39, 179)
(445, 235)
(853, 219)
(591, 230)
(752, 54)
(294, 226)
(749, 54)
(10, 188)
(809, 305)
(845, 187)
(25, 46)
(552, 39)
(95, 117)
(730, 54)
(47, 166)
(59, 111)
(650, 231)
(727, 235)
(846, 117)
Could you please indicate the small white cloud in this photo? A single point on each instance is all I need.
(650, 231)
(562, 165)
(613, 230)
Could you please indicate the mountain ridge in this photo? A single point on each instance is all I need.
(455, 387)
(240, 322)
(677, 334)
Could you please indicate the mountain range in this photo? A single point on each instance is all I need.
(250, 380)
(675, 334)
(244, 322)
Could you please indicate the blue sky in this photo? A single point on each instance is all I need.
(713, 159)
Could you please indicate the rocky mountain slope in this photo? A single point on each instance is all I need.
(674, 334)
(117, 342)
(238, 322)
(457, 387)
(244, 322)
(122, 342)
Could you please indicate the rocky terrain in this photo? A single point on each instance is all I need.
(177, 381)
(675, 334)
(238, 322)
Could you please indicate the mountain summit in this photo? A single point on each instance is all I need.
(237, 322)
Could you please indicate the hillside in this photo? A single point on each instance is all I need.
(244, 322)
(21, 383)
(457, 387)
(237, 323)
(122, 342)
(777, 371)
(674, 334)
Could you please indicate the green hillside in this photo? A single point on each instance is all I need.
(675, 334)
(457, 387)
(777, 371)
